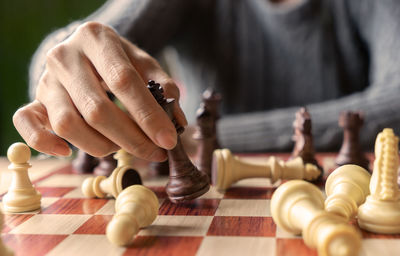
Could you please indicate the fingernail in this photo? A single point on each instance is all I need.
(166, 139)
(159, 155)
(61, 150)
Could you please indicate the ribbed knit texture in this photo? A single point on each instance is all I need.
(269, 59)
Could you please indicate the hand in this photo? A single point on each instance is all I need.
(71, 101)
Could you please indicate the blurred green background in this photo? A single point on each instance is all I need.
(23, 25)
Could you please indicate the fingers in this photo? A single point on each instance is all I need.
(75, 73)
(122, 78)
(32, 124)
(149, 69)
(67, 123)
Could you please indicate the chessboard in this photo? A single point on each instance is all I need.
(235, 222)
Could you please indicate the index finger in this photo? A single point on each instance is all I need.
(113, 65)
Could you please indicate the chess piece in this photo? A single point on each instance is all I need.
(346, 188)
(381, 211)
(185, 182)
(304, 146)
(4, 250)
(106, 166)
(351, 152)
(22, 195)
(211, 101)
(228, 169)
(298, 207)
(135, 207)
(205, 134)
(122, 177)
(84, 163)
(159, 168)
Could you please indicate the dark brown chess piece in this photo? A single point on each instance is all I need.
(304, 146)
(211, 101)
(159, 168)
(351, 152)
(185, 182)
(106, 166)
(84, 163)
(205, 134)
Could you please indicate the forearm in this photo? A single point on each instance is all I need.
(273, 130)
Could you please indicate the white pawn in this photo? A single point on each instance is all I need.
(228, 169)
(4, 250)
(136, 207)
(346, 188)
(298, 207)
(381, 211)
(22, 195)
(122, 177)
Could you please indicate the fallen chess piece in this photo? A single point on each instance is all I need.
(381, 211)
(228, 169)
(136, 207)
(346, 188)
(298, 207)
(4, 250)
(122, 177)
(22, 195)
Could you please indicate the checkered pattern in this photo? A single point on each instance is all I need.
(237, 222)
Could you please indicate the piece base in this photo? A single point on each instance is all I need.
(178, 199)
(379, 216)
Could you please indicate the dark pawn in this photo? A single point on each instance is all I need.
(351, 152)
(205, 134)
(84, 163)
(304, 146)
(106, 166)
(211, 101)
(159, 168)
(185, 182)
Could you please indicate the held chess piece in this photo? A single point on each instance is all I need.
(122, 177)
(4, 250)
(351, 152)
(22, 195)
(304, 146)
(381, 211)
(346, 188)
(84, 163)
(185, 182)
(228, 169)
(106, 166)
(205, 134)
(135, 207)
(298, 207)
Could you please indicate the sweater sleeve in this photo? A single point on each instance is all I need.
(378, 24)
(147, 23)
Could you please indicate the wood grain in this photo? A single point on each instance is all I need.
(242, 226)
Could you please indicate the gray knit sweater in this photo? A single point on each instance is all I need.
(268, 59)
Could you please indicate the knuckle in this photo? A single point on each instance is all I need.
(57, 54)
(94, 112)
(93, 29)
(121, 77)
(64, 124)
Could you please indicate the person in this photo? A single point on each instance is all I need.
(265, 57)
